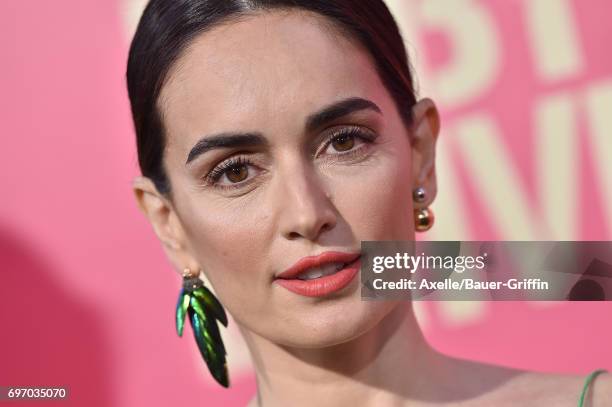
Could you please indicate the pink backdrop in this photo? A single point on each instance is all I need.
(87, 296)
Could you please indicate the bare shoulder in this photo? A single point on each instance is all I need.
(601, 391)
(557, 389)
(503, 386)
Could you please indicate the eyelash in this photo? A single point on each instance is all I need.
(217, 172)
(212, 178)
(367, 136)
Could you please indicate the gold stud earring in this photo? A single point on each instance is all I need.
(423, 217)
(189, 273)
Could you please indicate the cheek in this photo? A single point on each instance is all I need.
(225, 239)
(383, 210)
(231, 247)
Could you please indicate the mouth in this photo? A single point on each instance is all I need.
(324, 264)
(320, 276)
(322, 271)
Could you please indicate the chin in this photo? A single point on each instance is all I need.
(333, 324)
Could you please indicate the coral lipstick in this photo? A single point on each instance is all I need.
(349, 264)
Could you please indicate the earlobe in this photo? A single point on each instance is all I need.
(162, 216)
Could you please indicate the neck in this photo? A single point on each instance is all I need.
(390, 364)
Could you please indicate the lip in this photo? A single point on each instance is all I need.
(325, 285)
(317, 261)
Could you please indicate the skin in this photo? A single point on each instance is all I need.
(300, 197)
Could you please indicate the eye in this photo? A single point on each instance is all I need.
(233, 172)
(343, 142)
(346, 141)
(237, 173)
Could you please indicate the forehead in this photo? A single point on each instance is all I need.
(264, 72)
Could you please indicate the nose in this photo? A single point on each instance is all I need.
(306, 208)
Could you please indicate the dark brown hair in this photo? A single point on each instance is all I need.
(168, 26)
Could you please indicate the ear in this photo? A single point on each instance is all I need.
(425, 130)
(167, 226)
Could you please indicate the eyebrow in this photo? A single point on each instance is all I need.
(338, 110)
(314, 121)
(225, 140)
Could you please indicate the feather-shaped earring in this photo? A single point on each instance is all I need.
(204, 310)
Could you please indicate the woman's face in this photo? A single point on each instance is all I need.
(288, 190)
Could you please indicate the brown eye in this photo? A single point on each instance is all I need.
(237, 173)
(343, 143)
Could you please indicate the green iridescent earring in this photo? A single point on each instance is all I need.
(204, 310)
